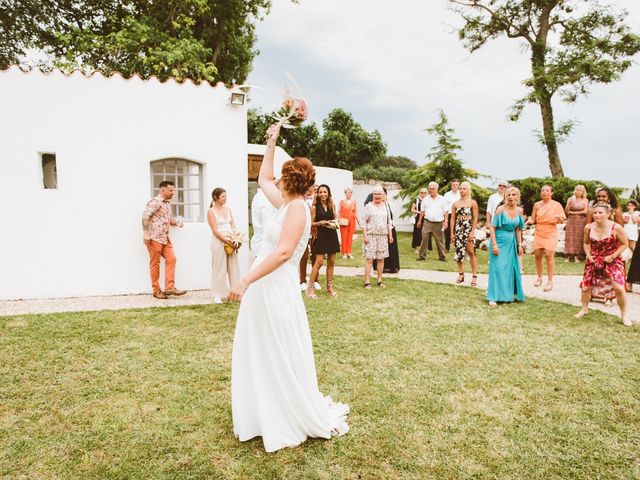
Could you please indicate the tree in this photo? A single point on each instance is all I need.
(380, 174)
(396, 161)
(345, 144)
(444, 165)
(297, 142)
(573, 44)
(199, 39)
(635, 194)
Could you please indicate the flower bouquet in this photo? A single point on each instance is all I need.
(237, 239)
(294, 108)
(292, 113)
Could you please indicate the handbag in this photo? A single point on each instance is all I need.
(343, 222)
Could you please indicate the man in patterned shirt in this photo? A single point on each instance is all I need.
(156, 220)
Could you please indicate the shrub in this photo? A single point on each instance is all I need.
(383, 174)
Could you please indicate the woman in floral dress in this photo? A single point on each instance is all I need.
(604, 242)
(464, 220)
(376, 235)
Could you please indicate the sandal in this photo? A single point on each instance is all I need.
(367, 286)
(382, 285)
(474, 280)
(311, 292)
(548, 287)
(460, 278)
(330, 289)
(538, 282)
(493, 304)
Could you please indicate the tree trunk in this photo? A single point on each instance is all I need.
(542, 93)
(544, 100)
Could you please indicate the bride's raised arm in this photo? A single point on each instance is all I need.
(266, 176)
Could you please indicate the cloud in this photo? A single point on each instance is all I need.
(394, 64)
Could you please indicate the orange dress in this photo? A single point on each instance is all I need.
(347, 212)
(546, 234)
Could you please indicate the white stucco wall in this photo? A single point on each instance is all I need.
(85, 237)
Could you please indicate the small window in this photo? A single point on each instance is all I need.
(49, 170)
(188, 199)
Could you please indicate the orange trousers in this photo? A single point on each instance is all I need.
(157, 250)
(346, 237)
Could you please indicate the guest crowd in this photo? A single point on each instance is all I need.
(597, 232)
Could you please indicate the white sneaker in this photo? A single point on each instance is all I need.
(303, 287)
(317, 286)
(217, 300)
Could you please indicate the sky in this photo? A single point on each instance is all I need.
(393, 65)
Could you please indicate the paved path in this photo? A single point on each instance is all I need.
(565, 290)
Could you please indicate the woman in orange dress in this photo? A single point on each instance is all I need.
(546, 215)
(347, 217)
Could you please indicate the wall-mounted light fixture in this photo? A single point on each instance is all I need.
(238, 98)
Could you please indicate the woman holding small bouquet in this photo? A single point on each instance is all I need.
(225, 269)
(323, 214)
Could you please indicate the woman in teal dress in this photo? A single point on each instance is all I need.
(505, 281)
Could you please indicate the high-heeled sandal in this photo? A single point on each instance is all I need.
(381, 285)
(330, 289)
(460, 278)
(474, 280)
(311, 292)
(538, 282)
(548, 287)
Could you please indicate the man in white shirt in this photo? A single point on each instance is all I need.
(262, 211)
(495, 199)
(452, 196)
(433, 220)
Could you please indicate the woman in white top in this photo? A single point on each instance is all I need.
(631, 219)
(225, 269)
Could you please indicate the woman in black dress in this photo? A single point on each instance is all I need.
(323, 216)
(416, 206)
(392, 262)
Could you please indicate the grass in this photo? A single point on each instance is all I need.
(440, 387)
(408, 259)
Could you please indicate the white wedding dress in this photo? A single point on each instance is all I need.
(274, 388)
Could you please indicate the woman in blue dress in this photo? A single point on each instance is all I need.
(505, 281)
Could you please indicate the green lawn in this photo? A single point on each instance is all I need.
(408, 259)
(440, 386)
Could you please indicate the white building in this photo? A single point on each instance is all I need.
(80, 158)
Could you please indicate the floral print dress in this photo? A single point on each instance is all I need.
(599, 274)
(461, 232)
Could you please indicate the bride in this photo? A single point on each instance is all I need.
(274, 389)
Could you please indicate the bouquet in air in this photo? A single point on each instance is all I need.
(294, 109)
(237, 239)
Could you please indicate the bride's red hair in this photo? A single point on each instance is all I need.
(298, 175)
